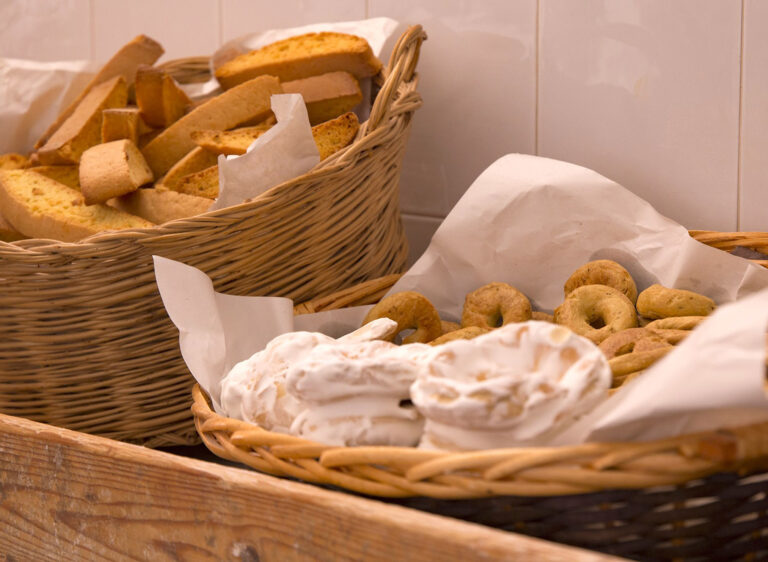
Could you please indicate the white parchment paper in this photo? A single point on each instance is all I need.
(531, 222)
(285, 151)
(32, 94)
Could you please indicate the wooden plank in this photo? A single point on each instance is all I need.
(70, 496)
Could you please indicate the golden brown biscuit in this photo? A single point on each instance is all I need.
(461, 334)
(596, 312)
(493, 305)
(410, 310)
(662, 302)
(603, 272)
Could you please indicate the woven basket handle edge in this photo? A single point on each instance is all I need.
(401, 68)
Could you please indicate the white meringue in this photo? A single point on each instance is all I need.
(517, 385)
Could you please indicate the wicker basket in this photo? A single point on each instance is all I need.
(86, 341)
(700, 496)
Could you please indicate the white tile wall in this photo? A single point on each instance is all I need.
(753, 201)
(668, 98)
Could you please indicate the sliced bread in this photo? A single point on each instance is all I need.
(13, 161)
(112, 169)
(302, 56)
(83, 128)
(235, 141)
(327, 95)
(68, 175)
(333, 135)
(40, 207)
(122, 123)
(140, 50)
(204, 183)
(159, 205)
(248, 101)
(160, 99)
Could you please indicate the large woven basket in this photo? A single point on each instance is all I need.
(86, 343)
(696, 497)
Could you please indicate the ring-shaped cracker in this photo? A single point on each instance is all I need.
(467, 333)
(603, 272)
(676, 323)
(410, 310)
(662, 302)
(493, 305)
(623, 342)
(592, 305)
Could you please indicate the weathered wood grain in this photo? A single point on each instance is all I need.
(70, 496)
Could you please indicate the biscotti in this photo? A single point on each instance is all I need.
(161, 205)
(204, 183)
(122, 123)
(8, 233)
(68, 175)
(140, 50)
(13, 161)
(235, 141)
(40, 207)
(112, 169)
(195, 160)
(301, 56)
(83, 128)
(160, 99)
(248, 101)
(326, 96)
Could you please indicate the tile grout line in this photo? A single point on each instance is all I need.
(740, 120)
(537, 46)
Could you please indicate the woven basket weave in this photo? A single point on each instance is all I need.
(659, 500)
(86, 343)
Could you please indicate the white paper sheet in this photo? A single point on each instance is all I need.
(284, 152)
(32, 94)
(531, 222)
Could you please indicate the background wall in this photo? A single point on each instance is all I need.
(670, 99)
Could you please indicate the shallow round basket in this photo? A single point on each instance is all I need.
(695, 497)
(86, 343)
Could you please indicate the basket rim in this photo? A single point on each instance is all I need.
(411, 40)
(390, 471)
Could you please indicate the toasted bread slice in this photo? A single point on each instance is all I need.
(13, 161)
(302, 56)
(83, 128)
(235, 141)
(196, 160)
(68, 175)
(40, 207)
(8, 233)
(248, 101)
(140, 50)
(112, 169)
(161, 205)
(161, 101)
(123, 123)
(333, 135)
(204, 183)
(326, 96)
(330, 137)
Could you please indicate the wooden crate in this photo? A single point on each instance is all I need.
(66, 495)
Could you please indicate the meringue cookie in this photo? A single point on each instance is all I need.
(357, 393)
(518, 385)
(254, 389)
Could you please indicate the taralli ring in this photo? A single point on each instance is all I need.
(603, 272)
(494, 305)
(623, 342)
(661, 302)
(411, 311)
(676, 323)
(596, 312)
(461, 334)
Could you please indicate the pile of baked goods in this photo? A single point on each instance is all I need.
(133, 150)
(505, 376)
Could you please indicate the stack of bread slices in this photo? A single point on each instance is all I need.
(133, 150)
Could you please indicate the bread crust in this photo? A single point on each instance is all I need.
(112, 169)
